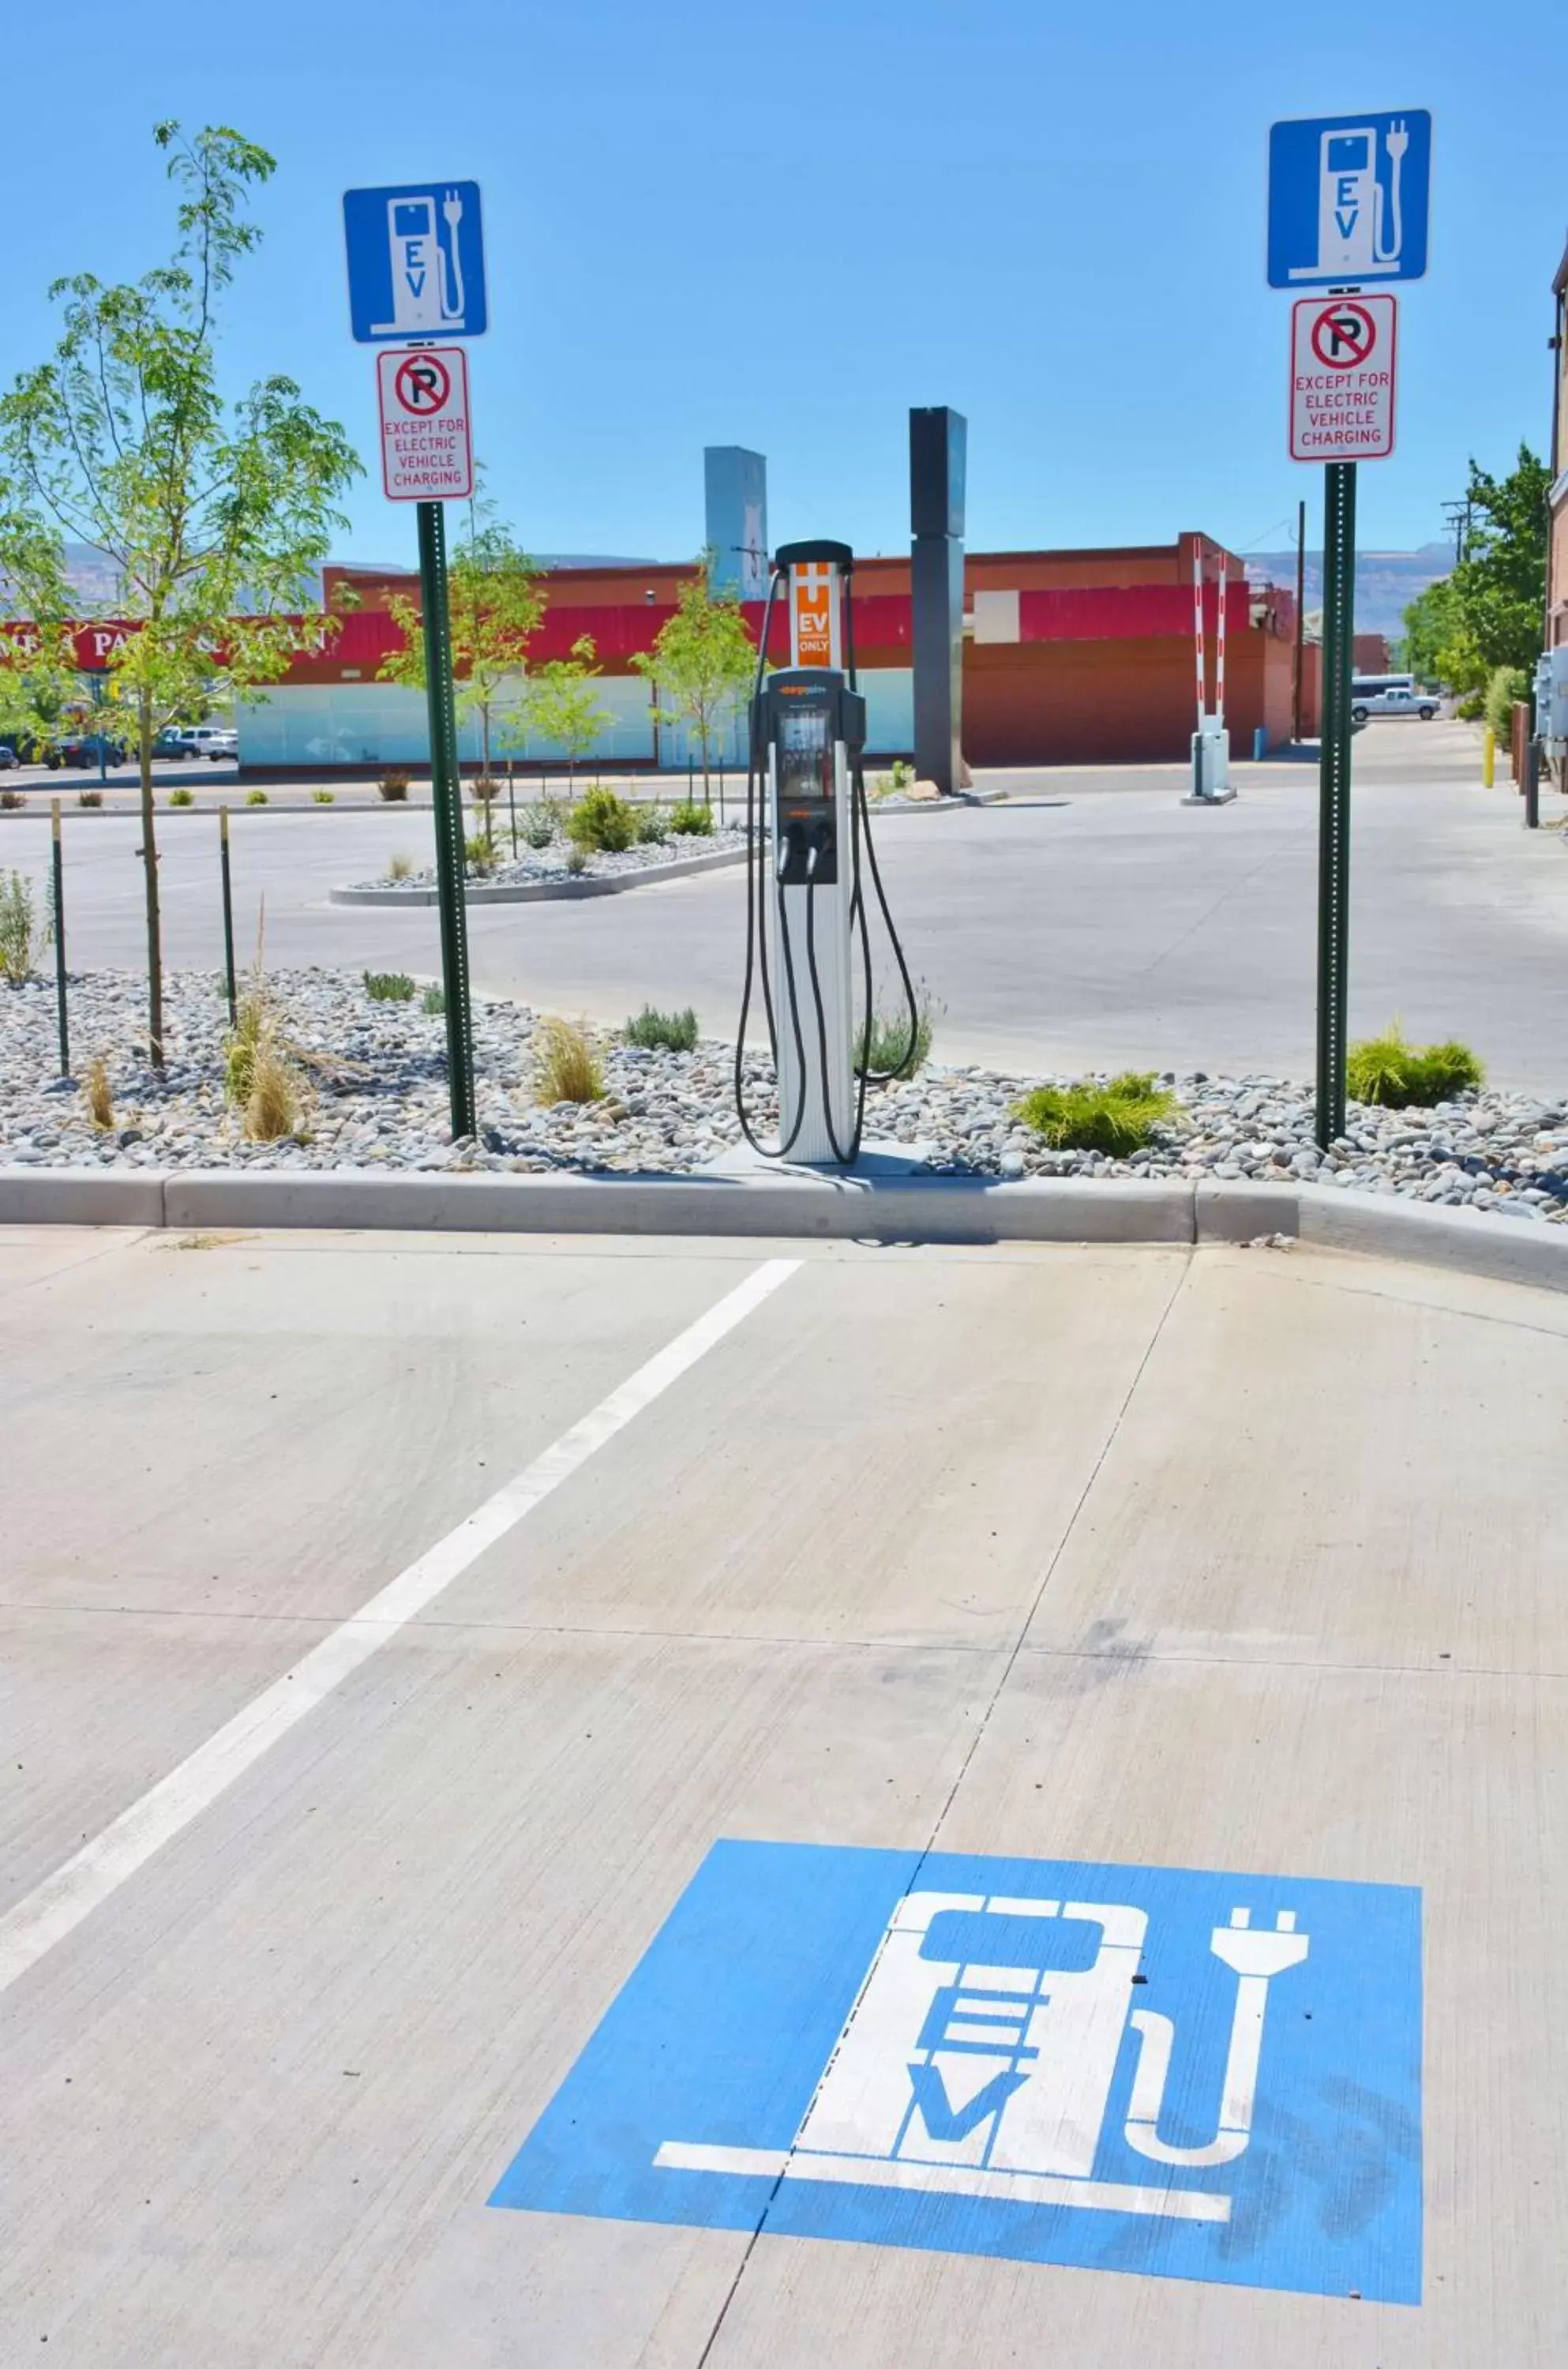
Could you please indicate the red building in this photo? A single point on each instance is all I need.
(1069, 658)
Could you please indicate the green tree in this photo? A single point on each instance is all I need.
(1488, 612)
(215, 515)
(561, 705)
(494, 606)
(702, 659)
(1429, 626)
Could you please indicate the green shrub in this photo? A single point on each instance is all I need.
(565, 1066)
(478, 856)
(1387, 1069)
(389, 986)
(667, 1032)
(602, 820)
(182, 797)
(539, 822)
(1471, 707)
(254, 1020)
(322, 798)
(1507, 685)
(884, 1041)
(394, 787)
(254, 798)
(689, 818)
(24, 931)
(433, 999)
(653, 827)
(1117, 1119)
(903, 774)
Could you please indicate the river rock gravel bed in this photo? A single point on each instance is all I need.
(549, 864)
(376, 1076)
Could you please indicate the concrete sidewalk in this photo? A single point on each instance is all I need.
(1142, 1560)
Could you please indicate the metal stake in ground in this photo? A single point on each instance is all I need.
(228, 916)
(447, 793)
(57, 878)
(1334, 816)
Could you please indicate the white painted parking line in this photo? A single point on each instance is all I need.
(62, 1900)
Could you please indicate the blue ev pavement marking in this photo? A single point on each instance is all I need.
(1127, 2068)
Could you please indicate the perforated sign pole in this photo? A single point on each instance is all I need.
(1333, 818)
(446, 785)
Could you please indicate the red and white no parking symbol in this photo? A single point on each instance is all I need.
(1342, 377)
(427, 445)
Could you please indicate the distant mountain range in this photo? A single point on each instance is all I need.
(1386, 581)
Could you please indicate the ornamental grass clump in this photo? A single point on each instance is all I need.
(389, 986)
(25, 928)
(1115, 1117)
(275, 1106)
(1387, 1069)
(663, 1032)
(98, 1094)
(565, 1066)
(886, 1049)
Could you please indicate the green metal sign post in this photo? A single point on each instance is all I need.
(1333, 812)
(446, 785)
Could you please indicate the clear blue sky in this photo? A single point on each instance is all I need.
(1051, 217)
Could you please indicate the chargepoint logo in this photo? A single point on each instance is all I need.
(1136, 2068)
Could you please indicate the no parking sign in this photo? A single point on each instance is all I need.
(427, 440)
(1342, 377)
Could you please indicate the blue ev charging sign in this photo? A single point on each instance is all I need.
(1127, 2068)
(415, 262)
(1347, 200)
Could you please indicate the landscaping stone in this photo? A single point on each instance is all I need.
(377, 1079)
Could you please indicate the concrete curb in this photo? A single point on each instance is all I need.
(933, 1208)
(1386, 1225)
(912, 1208)
(81, 1196)
(533, 892)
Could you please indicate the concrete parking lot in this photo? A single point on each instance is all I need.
(1091, 921)
(400, 1637)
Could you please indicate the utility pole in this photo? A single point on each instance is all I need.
(1459, 514)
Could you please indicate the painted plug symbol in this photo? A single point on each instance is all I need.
(1255, 1957)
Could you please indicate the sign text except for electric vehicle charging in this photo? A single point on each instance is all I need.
(1342, 378)
(427, 443)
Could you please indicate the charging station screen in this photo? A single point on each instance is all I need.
(806, 753)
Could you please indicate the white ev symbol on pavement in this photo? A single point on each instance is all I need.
(988, 2077)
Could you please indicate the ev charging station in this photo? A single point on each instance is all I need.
(808, 827)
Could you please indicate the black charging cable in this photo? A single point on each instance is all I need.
(757, 889)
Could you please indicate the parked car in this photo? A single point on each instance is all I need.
(8, 757)
(214, 740)
(82, 748)
(170, 743)
(1390, 695)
